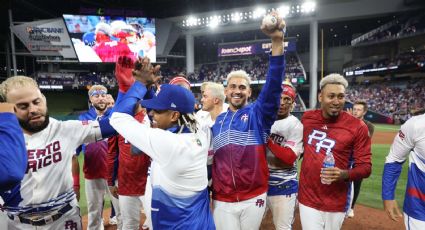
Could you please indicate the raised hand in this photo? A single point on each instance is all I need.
(145, 72)
(124, 73)
(273, 26)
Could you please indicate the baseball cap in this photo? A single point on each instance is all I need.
(288, 90)
(171, 97)
(178, 80)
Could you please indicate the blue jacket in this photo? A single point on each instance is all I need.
(240, 170)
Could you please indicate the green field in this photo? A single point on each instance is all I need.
(370, 194)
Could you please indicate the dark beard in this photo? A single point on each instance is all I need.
(35, 128)
(99, 108)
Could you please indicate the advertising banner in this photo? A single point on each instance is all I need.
(251, 48)
(45, 38)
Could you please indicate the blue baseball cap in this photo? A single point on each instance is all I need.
(171, 97)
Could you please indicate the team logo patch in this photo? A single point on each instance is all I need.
(321, 141)
(244, 117)
(85, 122)
(71, 225)
(401, 135)
(259, 203)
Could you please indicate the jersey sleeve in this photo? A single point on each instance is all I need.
(82, 132)
(13, 155)
(403, 143)
(112, 160)
(152, 141)
(361, 155)
(295, 139)
(267, 103)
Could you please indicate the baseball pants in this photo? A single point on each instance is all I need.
(130, 207)
(243, 215)
(147, 204)
(313, 219)
(71, 220)
(282, 208)
(96, 190)
(412, 223)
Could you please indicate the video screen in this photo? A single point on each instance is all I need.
(105, 38)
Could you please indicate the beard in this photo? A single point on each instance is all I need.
(100, 107)
(37, 127)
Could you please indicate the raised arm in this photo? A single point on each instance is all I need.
(268, 101)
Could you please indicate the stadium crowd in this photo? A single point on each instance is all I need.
(399, 100)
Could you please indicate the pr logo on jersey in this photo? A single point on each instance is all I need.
(71, 225)
(259, 203)
(321, 141)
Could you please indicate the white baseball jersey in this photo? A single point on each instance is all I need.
(47, 184)
(178, 173)
(287, 132)
(410, 142)
(204, 118)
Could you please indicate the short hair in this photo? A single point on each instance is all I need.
(240, 74)
(16, 82)
(362, 103)
(97, 87)
(333, 78)
(217, 90)
(204, 85)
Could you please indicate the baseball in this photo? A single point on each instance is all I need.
(270, 22)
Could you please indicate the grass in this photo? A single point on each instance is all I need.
(386, 127)
(370, 193)
(83, 199)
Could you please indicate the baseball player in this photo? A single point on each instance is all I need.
(179, 154)
(284, 147)
(239, 171)
(95, 166)
(359, 111)
(45, 198)
(324, 192)
(409, 143)
(132, 177)
(13, 154)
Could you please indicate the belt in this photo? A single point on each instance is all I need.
(43, 220)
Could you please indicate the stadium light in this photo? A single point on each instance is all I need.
(308, 7)
(286, 11)
(259, 12)
(214, 21)
(191, 21)
(283, 11)
(236, 17)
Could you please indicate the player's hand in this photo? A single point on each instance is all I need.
(145, 72)
(114, 191)
(392, 210)
(77, 192)
(275, 33)
(7, 107)
(124, 73)
(333, 174)
(350, 111)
